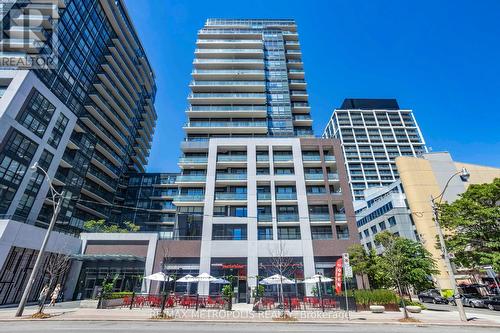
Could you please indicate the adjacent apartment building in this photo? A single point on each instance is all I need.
(86, 118)
(373, 132)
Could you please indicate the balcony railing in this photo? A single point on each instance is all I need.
(196, 108)
(231, 158)
(319, 217)
(227, 83)
(191, 178)
(329, 158)
(264, 218)
(311, 158)
(286, 196)
(234, 71)
(288, 217)
(283, 158)
(262, 158)
(229, 51)
(333, 176)
(226, 124)
(264, 196)
(313, 176)
(189, 198)
(228, 95)
(230, 196)
(231, 176)
(193, 160)
(339, 217)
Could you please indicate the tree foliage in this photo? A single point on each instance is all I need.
(102, 226)
(472, 226)
(364, 263)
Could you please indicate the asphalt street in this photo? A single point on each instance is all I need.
(173, 327)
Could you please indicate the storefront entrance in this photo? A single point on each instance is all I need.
(233, 270)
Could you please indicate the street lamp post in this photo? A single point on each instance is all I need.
(41, 252)
(464, 174)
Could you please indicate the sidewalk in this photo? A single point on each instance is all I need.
(244, 313)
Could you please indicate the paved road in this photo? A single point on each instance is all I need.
(468, 310)
(172, 327)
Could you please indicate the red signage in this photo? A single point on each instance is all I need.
(233, 266)
(338, 276)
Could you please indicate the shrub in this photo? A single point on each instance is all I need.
(374, 297)
(116, 295)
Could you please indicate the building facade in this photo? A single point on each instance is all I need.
(87, 119)
(384, 209)
(373, 132)
(254, 182)
(426, 176)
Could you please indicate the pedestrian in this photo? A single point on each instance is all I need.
(43, 295)
(55, 295)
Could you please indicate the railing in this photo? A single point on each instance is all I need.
(286, 196)
(234, 41)
(227, 95)
(319, 217)
(230, 196)
(231, 158)
(262, 158)
(264, 218)
(189, 197)
(283, 158)
(227, 124)
(204, 108)
(311, 158)
(227, 83)
(302, 117)
(321, 235)
(263, 196)
(303, 105)
(225, 71)
(333, 176)
(228, 51)
(200, 160)
(313, 176)
(191, 178)
(339, 217)
(288, 217)
(329, 158)
(231, 176)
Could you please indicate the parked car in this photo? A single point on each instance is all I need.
(474, 301)
(492, 302)
(431, 296)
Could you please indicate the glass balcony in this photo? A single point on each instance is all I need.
(191, 178)
(225, 108)
(302, 117)
(227, 83)
(228, 95)
(231, 158)
(313, 176)
(262, 158)
(340, 217)
(315, 158)
(264, 218)
(316, 217)
(288, 217)
(226, 124)
(231, 176)
(193, 160)
(230, 196)
(263, 196)
(229, 51)
(333, 176)
(283, 158)
(189, 198)
(329, 158)
(286, 196)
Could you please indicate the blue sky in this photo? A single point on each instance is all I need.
(439, 58)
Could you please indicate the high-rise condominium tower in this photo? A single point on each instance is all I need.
(255, 183)
(373, 132)
(87, 118)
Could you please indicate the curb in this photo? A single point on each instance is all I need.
(352, 322)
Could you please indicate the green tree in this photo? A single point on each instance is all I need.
(472, 226)
(405, 263)
(364, 263)
(102, 226)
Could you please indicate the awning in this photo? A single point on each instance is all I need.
(107, 257)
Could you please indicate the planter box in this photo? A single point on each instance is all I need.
(89, 303)
(112, 303)
(377, 308)
(414, 309)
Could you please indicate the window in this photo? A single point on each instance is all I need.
(374, 229)
(288, 232)
(392, 221)
(58, 130)
(36, 114)
(342, 232)
(229, 232)
(265, 233)
(367, 233)
(321, 232)
(382, 226)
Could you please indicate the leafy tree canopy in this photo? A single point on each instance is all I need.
(102, 226)
(472, 226)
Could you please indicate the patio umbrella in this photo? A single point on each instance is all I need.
(276, 279)
(160, 276)
(316, 279)
(205, 277)
(220, 281)
(187, 278)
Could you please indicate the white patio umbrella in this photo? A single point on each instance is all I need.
(220, 281)
(160, 276)
(187, 278)
(316, 279)
(205, 277)
(276, 279)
